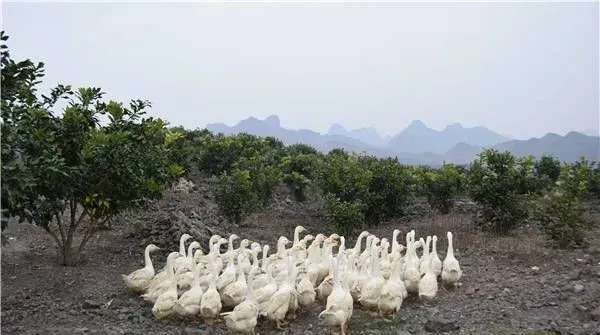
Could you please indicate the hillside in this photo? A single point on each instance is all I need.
(418, 138)
(418, 144)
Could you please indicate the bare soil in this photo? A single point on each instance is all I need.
(511, 285)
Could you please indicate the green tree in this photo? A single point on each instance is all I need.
(343, 216)
(560, 211)
(441, 187)
(70, 174)
(389, 191)
(547, 169)
(496, 183)
(300, 169)
(235, 195)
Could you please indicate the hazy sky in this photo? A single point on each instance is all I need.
(519, 69)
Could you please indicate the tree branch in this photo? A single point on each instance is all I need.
(89, 233)
(59, 223)
(54, 236)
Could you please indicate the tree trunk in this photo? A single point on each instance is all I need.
(68, 255)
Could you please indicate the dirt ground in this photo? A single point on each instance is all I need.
(510, 285)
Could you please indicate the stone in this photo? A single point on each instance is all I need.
(595, 314)
(91, 304)
(439, 325)
(577, 288)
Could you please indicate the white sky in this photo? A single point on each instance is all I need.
(519, 69)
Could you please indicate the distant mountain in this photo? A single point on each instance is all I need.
(271, 126)
(418, 144)
(591, 132)
(462, 153)
(566, 148)
(417, 137)
(368, 135)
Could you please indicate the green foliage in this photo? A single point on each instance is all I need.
(390, 188)
(235, 195)
(70, 173)
(221, 152)
(547, 169)
(441, 186)
(343, 176)
(300, 169)
(265, 176)
(498, 182)
(344, 216)
(594, 182)
(379, 188)
(560, 211)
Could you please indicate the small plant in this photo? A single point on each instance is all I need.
(547, 169)
(497, 183)
(343, 216)
(441, 187)
(235, 195)
(560, 211)
(298, 184)
(299, 168)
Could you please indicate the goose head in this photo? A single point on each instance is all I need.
(307, 238)
(245, 243)
(151, 248)
(191, 247)
(213, 239)
(297, 232)
(342, 245)
(182, 241)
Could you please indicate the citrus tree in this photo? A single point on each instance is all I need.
(560, 211)
(441, 186)
(71, 173)
(496, 181)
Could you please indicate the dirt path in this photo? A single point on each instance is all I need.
(500, 292)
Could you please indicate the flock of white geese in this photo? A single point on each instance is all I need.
(378, 277)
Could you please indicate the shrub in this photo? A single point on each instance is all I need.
(547, 169)
(299, 171)
(343, 176)
(561, 212)
(497, 183)
(441, 187)
(221, 152)
(235, 195)
(264, 177)
(594, 183)
(389, 190)
(343, 216)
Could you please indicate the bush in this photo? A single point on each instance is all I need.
(235, 195)
(264, 177)
(561, 212)
(299, 171)
(221, 152)
(594, 183)
(343, 176)
(248, 187)
(441, 187)
(498, 182)
(343, 216)
(547, 169)
(389, 189)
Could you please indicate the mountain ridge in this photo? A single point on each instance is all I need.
(419, 144)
